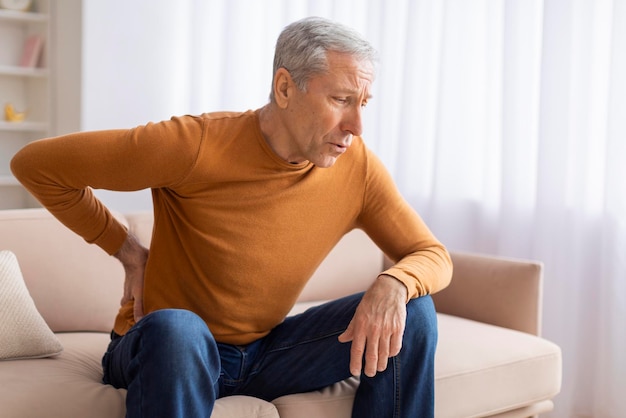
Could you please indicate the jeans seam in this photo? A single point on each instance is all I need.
(397, 378)
(227, 379)
(289, 345)
(139, 378)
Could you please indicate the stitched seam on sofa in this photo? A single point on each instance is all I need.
(518, 405)
(499, 366)
(269, 413)
(325, 400)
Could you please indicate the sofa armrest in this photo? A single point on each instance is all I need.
(494, 290)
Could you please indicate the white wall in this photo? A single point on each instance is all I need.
(132, 76)
(133, 62)
(136, 67)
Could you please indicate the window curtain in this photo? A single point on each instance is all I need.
(504, 125)
(502, 121)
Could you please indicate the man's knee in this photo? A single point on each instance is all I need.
(172, 323)
(177, 332)
(421, 323)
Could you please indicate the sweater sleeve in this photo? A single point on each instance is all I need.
(422, 263)
(61, 172)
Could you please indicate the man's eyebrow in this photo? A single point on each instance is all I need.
(353, 92)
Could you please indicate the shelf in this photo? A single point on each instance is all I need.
(9, 15)
(15, 70)
(25, 126)
(26, 87)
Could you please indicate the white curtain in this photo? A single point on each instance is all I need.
(502, 121)
(505, 127)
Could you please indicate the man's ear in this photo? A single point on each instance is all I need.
(283, 85)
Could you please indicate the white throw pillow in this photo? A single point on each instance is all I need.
(23, 332)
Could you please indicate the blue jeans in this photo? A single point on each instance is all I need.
(173, 367)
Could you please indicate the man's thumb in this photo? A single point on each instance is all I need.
(347, 335)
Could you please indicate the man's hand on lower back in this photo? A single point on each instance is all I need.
(133, 257)
(377, 328)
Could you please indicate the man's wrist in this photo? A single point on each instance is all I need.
(394, 284)
(132, 253)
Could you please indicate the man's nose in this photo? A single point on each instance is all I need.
(353, 121)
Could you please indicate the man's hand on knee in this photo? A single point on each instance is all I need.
(377, 328)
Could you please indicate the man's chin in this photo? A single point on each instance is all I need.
(325, 162)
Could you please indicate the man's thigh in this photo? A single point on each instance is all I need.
(303, 353)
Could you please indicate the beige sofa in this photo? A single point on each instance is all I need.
(490, 360)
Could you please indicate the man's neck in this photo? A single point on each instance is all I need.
(274, 133)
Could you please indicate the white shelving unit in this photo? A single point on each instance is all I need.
(27, 89)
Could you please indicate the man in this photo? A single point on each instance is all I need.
(246, 206)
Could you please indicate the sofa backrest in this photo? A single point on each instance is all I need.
(75, 286)
(350, 267)
(78, 287)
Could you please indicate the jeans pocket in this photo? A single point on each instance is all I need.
(106, 360)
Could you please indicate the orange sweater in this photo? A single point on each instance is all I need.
(237, 231)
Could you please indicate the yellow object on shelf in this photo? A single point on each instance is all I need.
(11, 115)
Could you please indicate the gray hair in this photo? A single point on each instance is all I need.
(302, 46)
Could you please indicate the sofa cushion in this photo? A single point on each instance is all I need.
(331, 402)
(75, 286)
(71, 384)
(64, 386)
(23, 332)
(351, 267)
(243, 407)
(480, 370)
(485, 369)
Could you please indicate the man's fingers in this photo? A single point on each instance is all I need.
(138, 308)
(383, 355)
(376, 353)
(138, 301)
(370, 353)
(395, 344)
(371, 358)
(357, 349)
(347, 335)
(356, 355)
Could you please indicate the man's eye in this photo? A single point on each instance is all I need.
(341, 100)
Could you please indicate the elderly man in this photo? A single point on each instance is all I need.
(246, 206)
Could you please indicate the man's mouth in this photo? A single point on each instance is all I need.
(343, 143)
(338, 147)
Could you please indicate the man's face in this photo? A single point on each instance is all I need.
(323, 119)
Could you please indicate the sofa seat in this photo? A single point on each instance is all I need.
(71, 383)
(484, 369)
(502, 370)
(480, 370)
(65, 385)
(473, 366)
